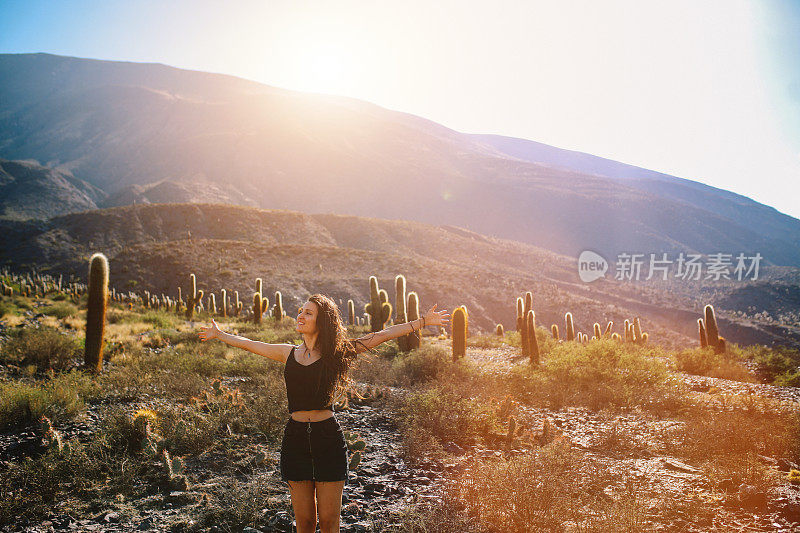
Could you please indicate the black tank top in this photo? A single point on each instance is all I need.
(304, 388)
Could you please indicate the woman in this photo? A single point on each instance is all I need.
(314, 455)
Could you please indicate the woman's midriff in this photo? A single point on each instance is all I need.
(311, 416)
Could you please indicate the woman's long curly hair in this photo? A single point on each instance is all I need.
(338, 352)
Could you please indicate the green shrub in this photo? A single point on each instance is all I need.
(707, 362)
(159, 319)
(602, 373)
(780, 365)
(485, 341)
(544, 490)
(235, 505)
(46, 348)
(419, 366)
(60, 310)
(422, 414)
(7, 308)
(59, 398)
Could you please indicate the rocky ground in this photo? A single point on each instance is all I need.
(376, 492)
(384, 485)
(624, 444)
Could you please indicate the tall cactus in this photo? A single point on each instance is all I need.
(554, 331)
(212, 304)
(533, 349)
(498, 330)
(637, 330)
(400, 310)
(459, 333)
(191, 298)
(379, 308)
(224, 303)
(412, 312)
(712, 332)
(702, 331)
(597, 333)
(570, 333)
(257, 307)
(524, 333)
(608, 328)
(96, 312)
(351, 312)
(627, 327)
(277, 310)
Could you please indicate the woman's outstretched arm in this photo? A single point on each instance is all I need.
(431, 318)
(278, 352)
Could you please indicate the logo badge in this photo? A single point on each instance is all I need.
(591, 266)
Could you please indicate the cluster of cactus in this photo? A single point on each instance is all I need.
(173, 471)
(221, 400)
(148, 441)
(96, 312)
(460, 324)
(194, 298)
(632, 332)
(379, 308)
(526, 325)
(6, 290)
(356, 446)
(365, 397)
(50, 437)
(145, 438)
(514, 430)
(709, 331)
(34, 284)
(260, 302)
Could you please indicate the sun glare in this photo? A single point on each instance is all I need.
(322, 61)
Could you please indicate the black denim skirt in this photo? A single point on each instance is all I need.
(314, 451)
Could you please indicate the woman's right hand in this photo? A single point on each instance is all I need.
(209, 332)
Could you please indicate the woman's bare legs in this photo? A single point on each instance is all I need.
(305, 508)
(329, 505)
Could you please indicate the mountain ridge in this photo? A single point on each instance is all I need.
(125, 125)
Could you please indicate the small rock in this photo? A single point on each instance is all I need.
(146, 524)
(750, 496)
(111, 518)
(785, 465)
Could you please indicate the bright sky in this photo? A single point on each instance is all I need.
(706, 90)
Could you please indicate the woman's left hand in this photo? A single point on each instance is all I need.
(436, 318)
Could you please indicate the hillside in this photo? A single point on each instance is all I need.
(155, 247)
(149, 132)
(29, 190)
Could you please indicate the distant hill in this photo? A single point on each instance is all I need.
(153, 133)
(155, 247)
(29, 190)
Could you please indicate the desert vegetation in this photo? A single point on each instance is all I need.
(518, 429)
